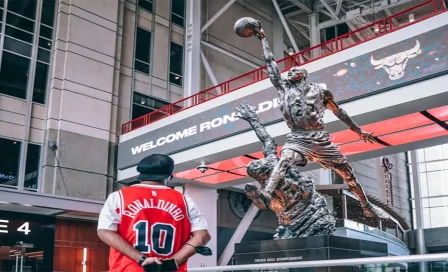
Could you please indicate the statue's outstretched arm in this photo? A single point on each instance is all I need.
(273, 70)
(340, 113)
(248, 113)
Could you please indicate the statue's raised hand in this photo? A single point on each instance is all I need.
(247, 113)
(259, 32)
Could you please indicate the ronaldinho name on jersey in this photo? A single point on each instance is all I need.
(135, 207)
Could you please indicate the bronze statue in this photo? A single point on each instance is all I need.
(300, 209)
(303, 105)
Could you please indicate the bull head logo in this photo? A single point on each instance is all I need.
(394, 65)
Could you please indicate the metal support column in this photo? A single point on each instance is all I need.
(420, 235)
(314, 30)
(238, 235)
(277, 37)
(285, 25)
(192, 48)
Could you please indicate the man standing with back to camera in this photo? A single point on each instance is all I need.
(149, 222)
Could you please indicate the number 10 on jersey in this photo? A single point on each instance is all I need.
(159, 237)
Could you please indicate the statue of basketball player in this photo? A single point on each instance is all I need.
(303, 105)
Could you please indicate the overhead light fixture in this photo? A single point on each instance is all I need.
(290, 51)
(377, 29)
(411, 17)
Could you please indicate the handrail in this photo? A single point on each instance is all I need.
(329, 263)
(377, 29)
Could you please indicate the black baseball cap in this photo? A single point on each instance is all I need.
(155, 167)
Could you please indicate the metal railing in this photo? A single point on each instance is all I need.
(371, 31)
(329, 263)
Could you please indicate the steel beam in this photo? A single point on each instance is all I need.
(208, 69)
(301, 5)
(238, 235)
(225, 52)
(219, 13)
(302, 24)
(338, 7)
(328, 7)
(298, 28)
(364, 12)
(285, 25)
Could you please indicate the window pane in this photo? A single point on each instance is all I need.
(40, 83)
(43, 55)
(46, 32)
(342, 29)
(48, 12)
(177, 20)
(45, 43)
(423, 185)
(140, 99)
(145, 4)
(14, 75)
(26, 8)
(158, 103)
(176, 58)
(20, 22)
(434, 166)
(330, 33)
(143, 45)
(436, 183)
(141, 67)
(18, 47)
(143, 104)
(32, 166)
(433, 153)
(175, 79)
(18, 34)
(178, 7)
(138, 111)
(9, 161)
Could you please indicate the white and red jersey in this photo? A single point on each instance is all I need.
(156, 220)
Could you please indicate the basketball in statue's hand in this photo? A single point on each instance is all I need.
(245, 27)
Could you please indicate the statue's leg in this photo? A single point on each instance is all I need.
(345, 170)
(287, 159)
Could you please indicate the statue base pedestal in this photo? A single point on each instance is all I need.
(309, 249)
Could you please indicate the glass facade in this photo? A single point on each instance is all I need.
(24, 31)
(433, 168)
